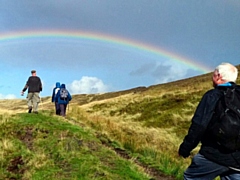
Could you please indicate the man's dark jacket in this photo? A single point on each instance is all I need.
(199, 132)
(33, 84)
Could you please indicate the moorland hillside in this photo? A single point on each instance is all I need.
(144, 125)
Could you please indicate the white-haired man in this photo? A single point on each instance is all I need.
(213, 159)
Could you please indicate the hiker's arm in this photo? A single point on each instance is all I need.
(200, 121)
(53, 95)
(25, 88)
(190, 141)
(40, 88)
(56, 96)
(69, 97)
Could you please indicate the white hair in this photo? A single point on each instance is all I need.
(228, 72)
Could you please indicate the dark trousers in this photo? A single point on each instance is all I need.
(202, 168)
(57, 108)
(63, 108)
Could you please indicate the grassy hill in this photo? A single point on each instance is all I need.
(131, 134)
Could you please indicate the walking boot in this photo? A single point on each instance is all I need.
(29, 109)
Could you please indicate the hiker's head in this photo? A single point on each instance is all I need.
(63, 86)
(58, 84)
(33, 72)
(225, 72)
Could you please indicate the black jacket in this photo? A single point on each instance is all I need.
(33, 84)
(198, 132)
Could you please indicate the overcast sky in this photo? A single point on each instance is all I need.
(96, 46)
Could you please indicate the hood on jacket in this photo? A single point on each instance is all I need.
(63, 86)
(57, 84)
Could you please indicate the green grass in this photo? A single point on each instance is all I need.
(45, 147)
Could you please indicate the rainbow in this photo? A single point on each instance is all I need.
(99, 37)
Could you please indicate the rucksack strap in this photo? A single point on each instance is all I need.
(230, 93)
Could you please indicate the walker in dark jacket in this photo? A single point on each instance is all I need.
(198, 131)
(63, 102)
(213, 159)
(34, 86)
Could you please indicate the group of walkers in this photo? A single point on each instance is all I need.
(61, 98)
(60, 95)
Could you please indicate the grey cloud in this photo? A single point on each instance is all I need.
(191, 73)
(152, 68)
(161, 70)
(144, 69)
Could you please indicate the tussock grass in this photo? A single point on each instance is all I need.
(148, 144)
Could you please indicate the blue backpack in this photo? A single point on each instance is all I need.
(63, 94)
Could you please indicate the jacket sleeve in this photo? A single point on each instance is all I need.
(53, 95)
(69, 97)
(40, 87)
(190, 141)
(200, 121)
(56, 96)
(25, 88)
(26, 85)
